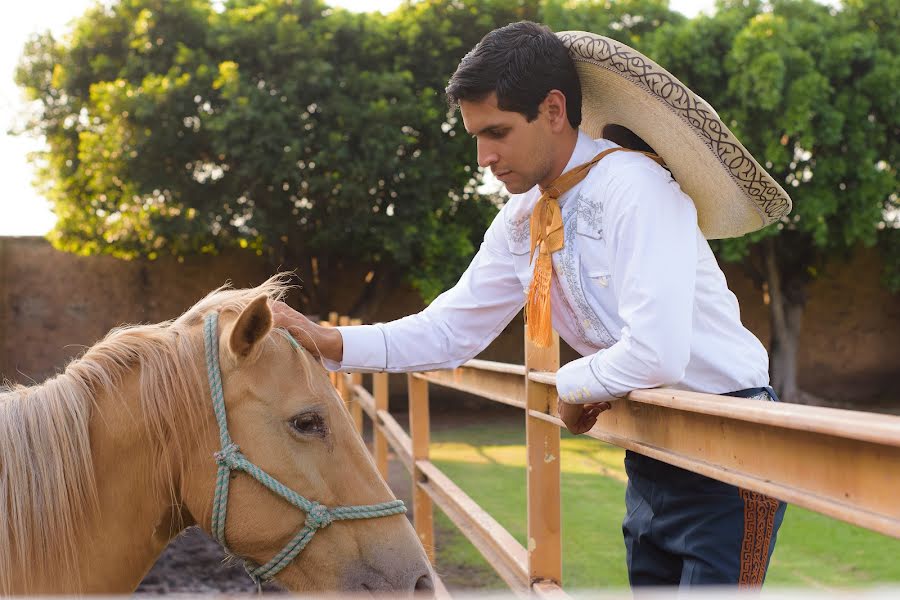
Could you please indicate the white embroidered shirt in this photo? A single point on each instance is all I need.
(636, 290)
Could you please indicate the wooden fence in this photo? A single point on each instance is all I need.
(845, 464)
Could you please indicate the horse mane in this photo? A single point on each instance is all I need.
(48, 491)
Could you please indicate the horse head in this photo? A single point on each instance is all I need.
(214, 418)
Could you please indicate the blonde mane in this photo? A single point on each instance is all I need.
(48, 491)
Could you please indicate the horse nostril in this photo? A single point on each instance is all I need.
(425, 586)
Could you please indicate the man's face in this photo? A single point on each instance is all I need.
(517, 152)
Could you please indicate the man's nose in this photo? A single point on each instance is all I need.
(487, 156)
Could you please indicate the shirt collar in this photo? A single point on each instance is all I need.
(585, 150)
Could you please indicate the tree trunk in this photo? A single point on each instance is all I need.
(373, 294)
(783, 353)
(787, 299)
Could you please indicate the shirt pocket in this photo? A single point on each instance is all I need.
(595, 270)
(596, 276)
(598, 279)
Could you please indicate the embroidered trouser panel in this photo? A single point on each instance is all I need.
(682, 528)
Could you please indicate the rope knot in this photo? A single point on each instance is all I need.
(318, 516)
(225, 456)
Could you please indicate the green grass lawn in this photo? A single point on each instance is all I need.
(488, 462)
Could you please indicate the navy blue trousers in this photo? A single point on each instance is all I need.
(686, 529)
(682, 528)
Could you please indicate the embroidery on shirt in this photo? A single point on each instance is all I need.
(518, 230)
(567, 268)
(590, 217)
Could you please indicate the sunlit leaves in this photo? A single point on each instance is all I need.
(812, 91)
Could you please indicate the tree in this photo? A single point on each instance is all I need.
(312, 135)
(628, 21)
(813, 93)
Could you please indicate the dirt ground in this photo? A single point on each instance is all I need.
(194, 563)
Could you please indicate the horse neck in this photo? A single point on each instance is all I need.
(137, 514)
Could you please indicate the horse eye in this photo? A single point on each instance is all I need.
(309, 424)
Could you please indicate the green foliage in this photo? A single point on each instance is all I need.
(299, 131)
(626, 20)
(281, 126)
(813, 92)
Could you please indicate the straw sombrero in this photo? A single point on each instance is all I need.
(623, 91)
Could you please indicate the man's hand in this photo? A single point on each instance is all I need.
(580, 417)
(320, 341)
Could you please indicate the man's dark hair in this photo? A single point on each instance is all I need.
(521, 62)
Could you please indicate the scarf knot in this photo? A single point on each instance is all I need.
(546, 228)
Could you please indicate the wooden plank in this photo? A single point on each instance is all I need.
(831, 461)
(380, 388)
(497, 367)
(548, 590)
(863, 426)
(366, 402)
(419, 428)
(543, 473)
(789, 469)
(502, 551)
(397, 439)
(507, 388)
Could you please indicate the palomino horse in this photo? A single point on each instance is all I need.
(101, 466)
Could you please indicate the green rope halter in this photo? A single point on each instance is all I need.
(230, 458)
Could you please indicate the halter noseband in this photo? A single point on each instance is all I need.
(230, 458)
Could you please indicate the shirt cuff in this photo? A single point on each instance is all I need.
(365, 349)
(578, 383)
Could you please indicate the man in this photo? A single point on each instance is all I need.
(605, 244)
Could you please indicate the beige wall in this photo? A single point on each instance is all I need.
(53, 304)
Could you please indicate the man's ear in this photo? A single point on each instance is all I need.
(251, 327)
(554, 105)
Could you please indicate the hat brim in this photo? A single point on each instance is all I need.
(733, 193)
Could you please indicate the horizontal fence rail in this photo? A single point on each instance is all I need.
(840, 463)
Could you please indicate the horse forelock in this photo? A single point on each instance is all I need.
(48, 492)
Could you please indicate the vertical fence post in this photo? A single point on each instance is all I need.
(542, 440)
(419, 429)
(356, 379)
(380, 390)
(343, 379)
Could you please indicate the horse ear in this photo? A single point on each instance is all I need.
(253, 325)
